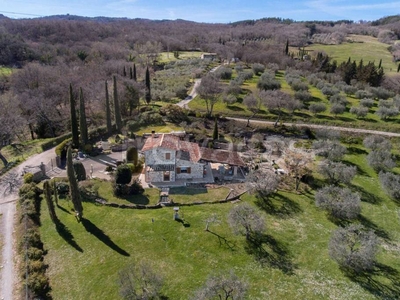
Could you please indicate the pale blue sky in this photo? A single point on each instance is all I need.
(210, 11)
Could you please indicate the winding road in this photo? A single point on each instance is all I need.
(8, 201)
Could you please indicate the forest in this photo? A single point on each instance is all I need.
(42, 57)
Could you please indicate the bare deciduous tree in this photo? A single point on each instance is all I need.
(262, 182)
(253, 104)
(223, 286)
(339, 202)
(209, 90)
(298, 165)
(245, 219)
(140, 282)
(354, 248)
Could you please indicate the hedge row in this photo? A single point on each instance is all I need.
(31, 246)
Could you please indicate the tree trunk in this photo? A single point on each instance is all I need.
(3, 159)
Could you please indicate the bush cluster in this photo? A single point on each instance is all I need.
(32, 246)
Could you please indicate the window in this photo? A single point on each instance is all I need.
(167, 155)
(185, 170)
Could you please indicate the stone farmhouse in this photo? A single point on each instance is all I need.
(170, 159)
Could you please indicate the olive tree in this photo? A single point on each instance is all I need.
(332, 150)
(245, 219)
(223, 286)
(339, 202)
(354, 248)
(337, 172)
(377, 142)
(381, 160)
(391, 184)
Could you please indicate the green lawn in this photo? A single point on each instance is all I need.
(84, 261)
(169, 56)
(366, 48)
(5, 71)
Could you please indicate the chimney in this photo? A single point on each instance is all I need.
(152, 134)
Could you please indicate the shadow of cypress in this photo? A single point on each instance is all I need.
(66, 234)
(97, 232)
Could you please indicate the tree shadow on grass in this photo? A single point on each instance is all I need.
(383, 281)
(235, 108)
(278, 205)
(269, 251)
(97, 232)
(223, 241)
(372, 226)
(359, 170)
(63, 209)
(366, 196)
(356, 150)
(66, 234)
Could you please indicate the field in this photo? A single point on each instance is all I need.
(85, 258)
(169, 56)
(366, 48)
(5, 71)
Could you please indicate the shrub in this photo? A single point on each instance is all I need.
(123, 174)
(132, 155)
(63, 146)
(136, 188)
(367, 102)
(258, 68)
(28, 178)
(359, 111)
(62, 188)
(317, 108)
(79, 170)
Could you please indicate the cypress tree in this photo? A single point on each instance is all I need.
(73, 186)
(74, 121)
(130, 73)
(147, 82)
(49, 201)
(82, 120)
(398, 68)
(287, 47)
(124, 72)
(380, 64)
(117, 111)
(134, 72)
(215, 132)
(108, 111)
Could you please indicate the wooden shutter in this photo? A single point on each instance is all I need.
(178, 170)
(167, 155)
(188, 170)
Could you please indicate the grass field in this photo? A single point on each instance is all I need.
(169, 56)
(84, 260)
(5, 71)
(366, 48)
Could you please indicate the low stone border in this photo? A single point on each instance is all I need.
(159, 205)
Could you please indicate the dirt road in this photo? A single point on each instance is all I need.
(315, 126)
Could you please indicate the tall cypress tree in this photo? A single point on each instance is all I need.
(117, 111)
(108, 111)
(74, 121)
(130, 73)
(134, 72)
(147, 82)
(287, 47)
(55, 192)
(398, 68)
(82, 120)
(215, 132)
(73, 186)
(124, 72)
(49, 201)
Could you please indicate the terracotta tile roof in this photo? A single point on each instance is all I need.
(185, 150)
(221, 156)
(191, 151)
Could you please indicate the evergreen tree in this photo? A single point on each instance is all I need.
(49, 201)
(215, 132)
(82, 120)
(147, 82)
(108, 111)
(380, 64)
(398, 68)
(73, 186)
(117, 111)
(134, 72)
(287, 47)
(124, 72)
(130, 73)
(74, 121)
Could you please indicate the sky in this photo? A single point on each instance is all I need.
(209, 11)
